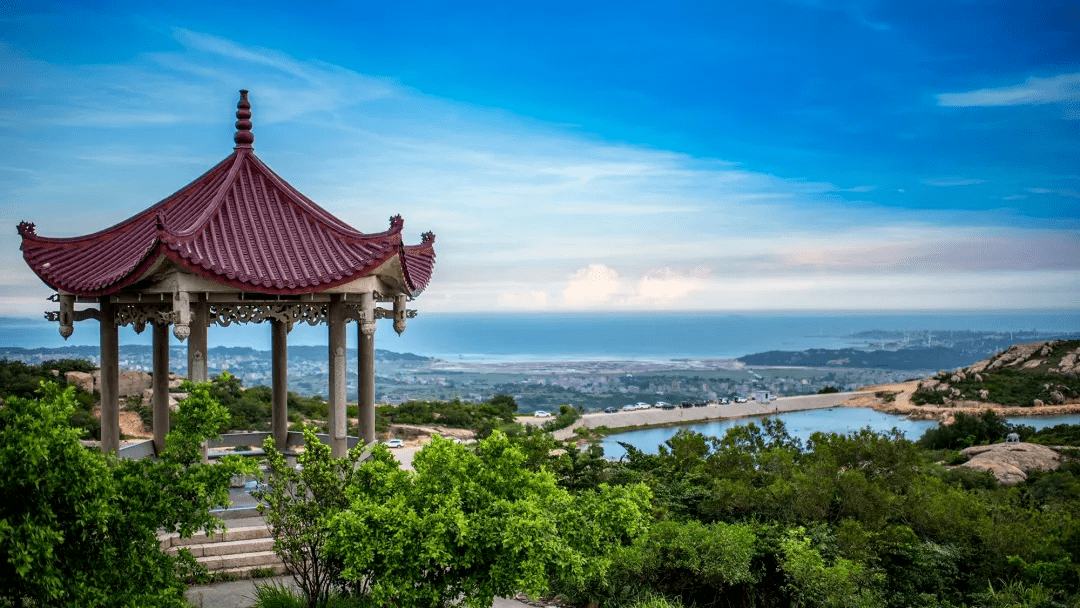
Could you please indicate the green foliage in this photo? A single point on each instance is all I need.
(278, 595)
(699, 563)
(83, 530)
(1061, 434)
(480, 417)
(18, 379)
(1010, 386)
(298, 505)
(828, 389)
(467, 526)
(814, 582)
(967, 430)
(566, 416)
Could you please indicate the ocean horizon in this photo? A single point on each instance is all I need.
(499, 337)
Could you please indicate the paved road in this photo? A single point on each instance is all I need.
(716, 411)
(241, 594)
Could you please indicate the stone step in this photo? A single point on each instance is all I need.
(228, 547)
(239, 533)
(218, 563)
(245, 571)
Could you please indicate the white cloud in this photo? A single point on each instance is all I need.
(1069, 192)
(529, 216)
(591, 286)
(1035, 90)
(947, 182)
(667, 285)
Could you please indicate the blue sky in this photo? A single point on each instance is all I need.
(784, 155)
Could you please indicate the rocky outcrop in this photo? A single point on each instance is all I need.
(1010, 463)
(1032, 356)
(82, 380)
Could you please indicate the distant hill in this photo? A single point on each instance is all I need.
(918, 358)
(950, 350)
(1035, 374)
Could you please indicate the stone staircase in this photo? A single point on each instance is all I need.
(245, 546)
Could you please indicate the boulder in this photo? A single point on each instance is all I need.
(984, 394)
(83, 380)
(1037, 403)
(1010, 463)
(943, 387)
(978, 378)
(928, 385)
(1057, 398)
(133, 382)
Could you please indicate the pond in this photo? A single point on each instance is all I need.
(802, 424)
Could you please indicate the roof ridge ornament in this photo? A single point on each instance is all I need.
(26, 229)
(243, 136)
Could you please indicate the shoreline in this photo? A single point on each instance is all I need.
(900, 404)
(620, 422)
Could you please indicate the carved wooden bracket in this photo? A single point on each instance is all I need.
(290, 314)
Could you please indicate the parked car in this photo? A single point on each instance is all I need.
(641, 405)
(611, 410)
(629, 408)
(686, 404)
(700, 404)
(666, 405)
(724, 401)
(541, 414)
(740, 399)
(395, 443)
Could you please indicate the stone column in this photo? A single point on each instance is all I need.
(161, 385)
(110, 379)
(338, 419)
(200, 317)
(365, 347)
(279, 411)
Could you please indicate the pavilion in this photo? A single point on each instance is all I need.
(237, 245)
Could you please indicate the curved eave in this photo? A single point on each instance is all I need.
(90, 266)
(417, 264)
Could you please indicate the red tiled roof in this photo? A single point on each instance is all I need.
(239, 224)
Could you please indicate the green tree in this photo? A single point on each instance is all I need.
(298, 503)
(80, 529)
(468, 526)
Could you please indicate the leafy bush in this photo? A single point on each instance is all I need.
(83, 529)
(298, 504)
(967, 430)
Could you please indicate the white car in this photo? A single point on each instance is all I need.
(395, 443)
(541, 414)
(629, 408)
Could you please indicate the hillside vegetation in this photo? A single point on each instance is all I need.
(1025, 375)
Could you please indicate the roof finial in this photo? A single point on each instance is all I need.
(243, 136)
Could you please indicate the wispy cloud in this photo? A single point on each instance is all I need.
(530, 216)
(1035, 90)
(1069, 192)
(947, 182)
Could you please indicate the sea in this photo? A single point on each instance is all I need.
(508, 337)
(658, 336)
